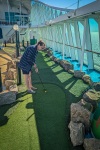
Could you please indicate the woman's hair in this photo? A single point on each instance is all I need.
(41, 43)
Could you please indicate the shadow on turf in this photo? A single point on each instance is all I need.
(3, 120)
(21, 94)
(5, 108)
(30, 106)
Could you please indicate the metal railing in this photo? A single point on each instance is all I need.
(0, 81)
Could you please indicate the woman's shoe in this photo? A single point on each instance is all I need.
(31, 92)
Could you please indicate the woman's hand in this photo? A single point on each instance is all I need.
(34, 66)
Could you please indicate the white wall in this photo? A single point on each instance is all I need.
(4, 8)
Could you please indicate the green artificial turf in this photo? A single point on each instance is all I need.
(40, 121)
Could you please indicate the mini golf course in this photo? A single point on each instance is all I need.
(40, 121)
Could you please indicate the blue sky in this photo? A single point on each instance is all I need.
(66, 3)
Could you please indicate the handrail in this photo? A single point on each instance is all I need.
(9, 31)
(14, 33)
(76, 47)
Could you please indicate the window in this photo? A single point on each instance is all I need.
(94, 32)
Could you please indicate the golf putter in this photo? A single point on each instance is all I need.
(44, 89)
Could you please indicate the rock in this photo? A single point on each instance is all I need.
(76, 133)
(11, 74)
(86, 78)
(91, 96)
(52, 58)
(62, 63)
(49, 53)
(68, 66)
(9, 63)
(97, 86)
(13, 66)
(7, 97)
(56, 60)
(8, 83)
(22, 49)
(71, 71)
(80, 115)
(13, 88)
(79, 74)
(91, 144)
(86, 105)
(13, 55)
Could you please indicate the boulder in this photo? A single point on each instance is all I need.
(7, 97)
(11, 74)
(56, 60)
(86, 105)
(71, 71)
(76, 133)
(52, 58)
(79, 114)
(91, 96)
(68, 66)
(49, 53)
(22, 49)
(63, 62)
(13, 88)
(14, 55)
(91, 144)
(97, 86)
(9, 63)
(86, 78)
(79, 74)
(8, 83)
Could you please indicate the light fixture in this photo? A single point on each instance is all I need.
(16, 27)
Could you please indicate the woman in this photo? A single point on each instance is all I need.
(27, 61)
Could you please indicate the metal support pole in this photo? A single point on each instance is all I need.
(23, 42)
(64, 32)
(18, 74)
(83, 46)
(17, 55)
(5, 43)
(20, 13)
(17, 43)
(27, 43)
(0, 81)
